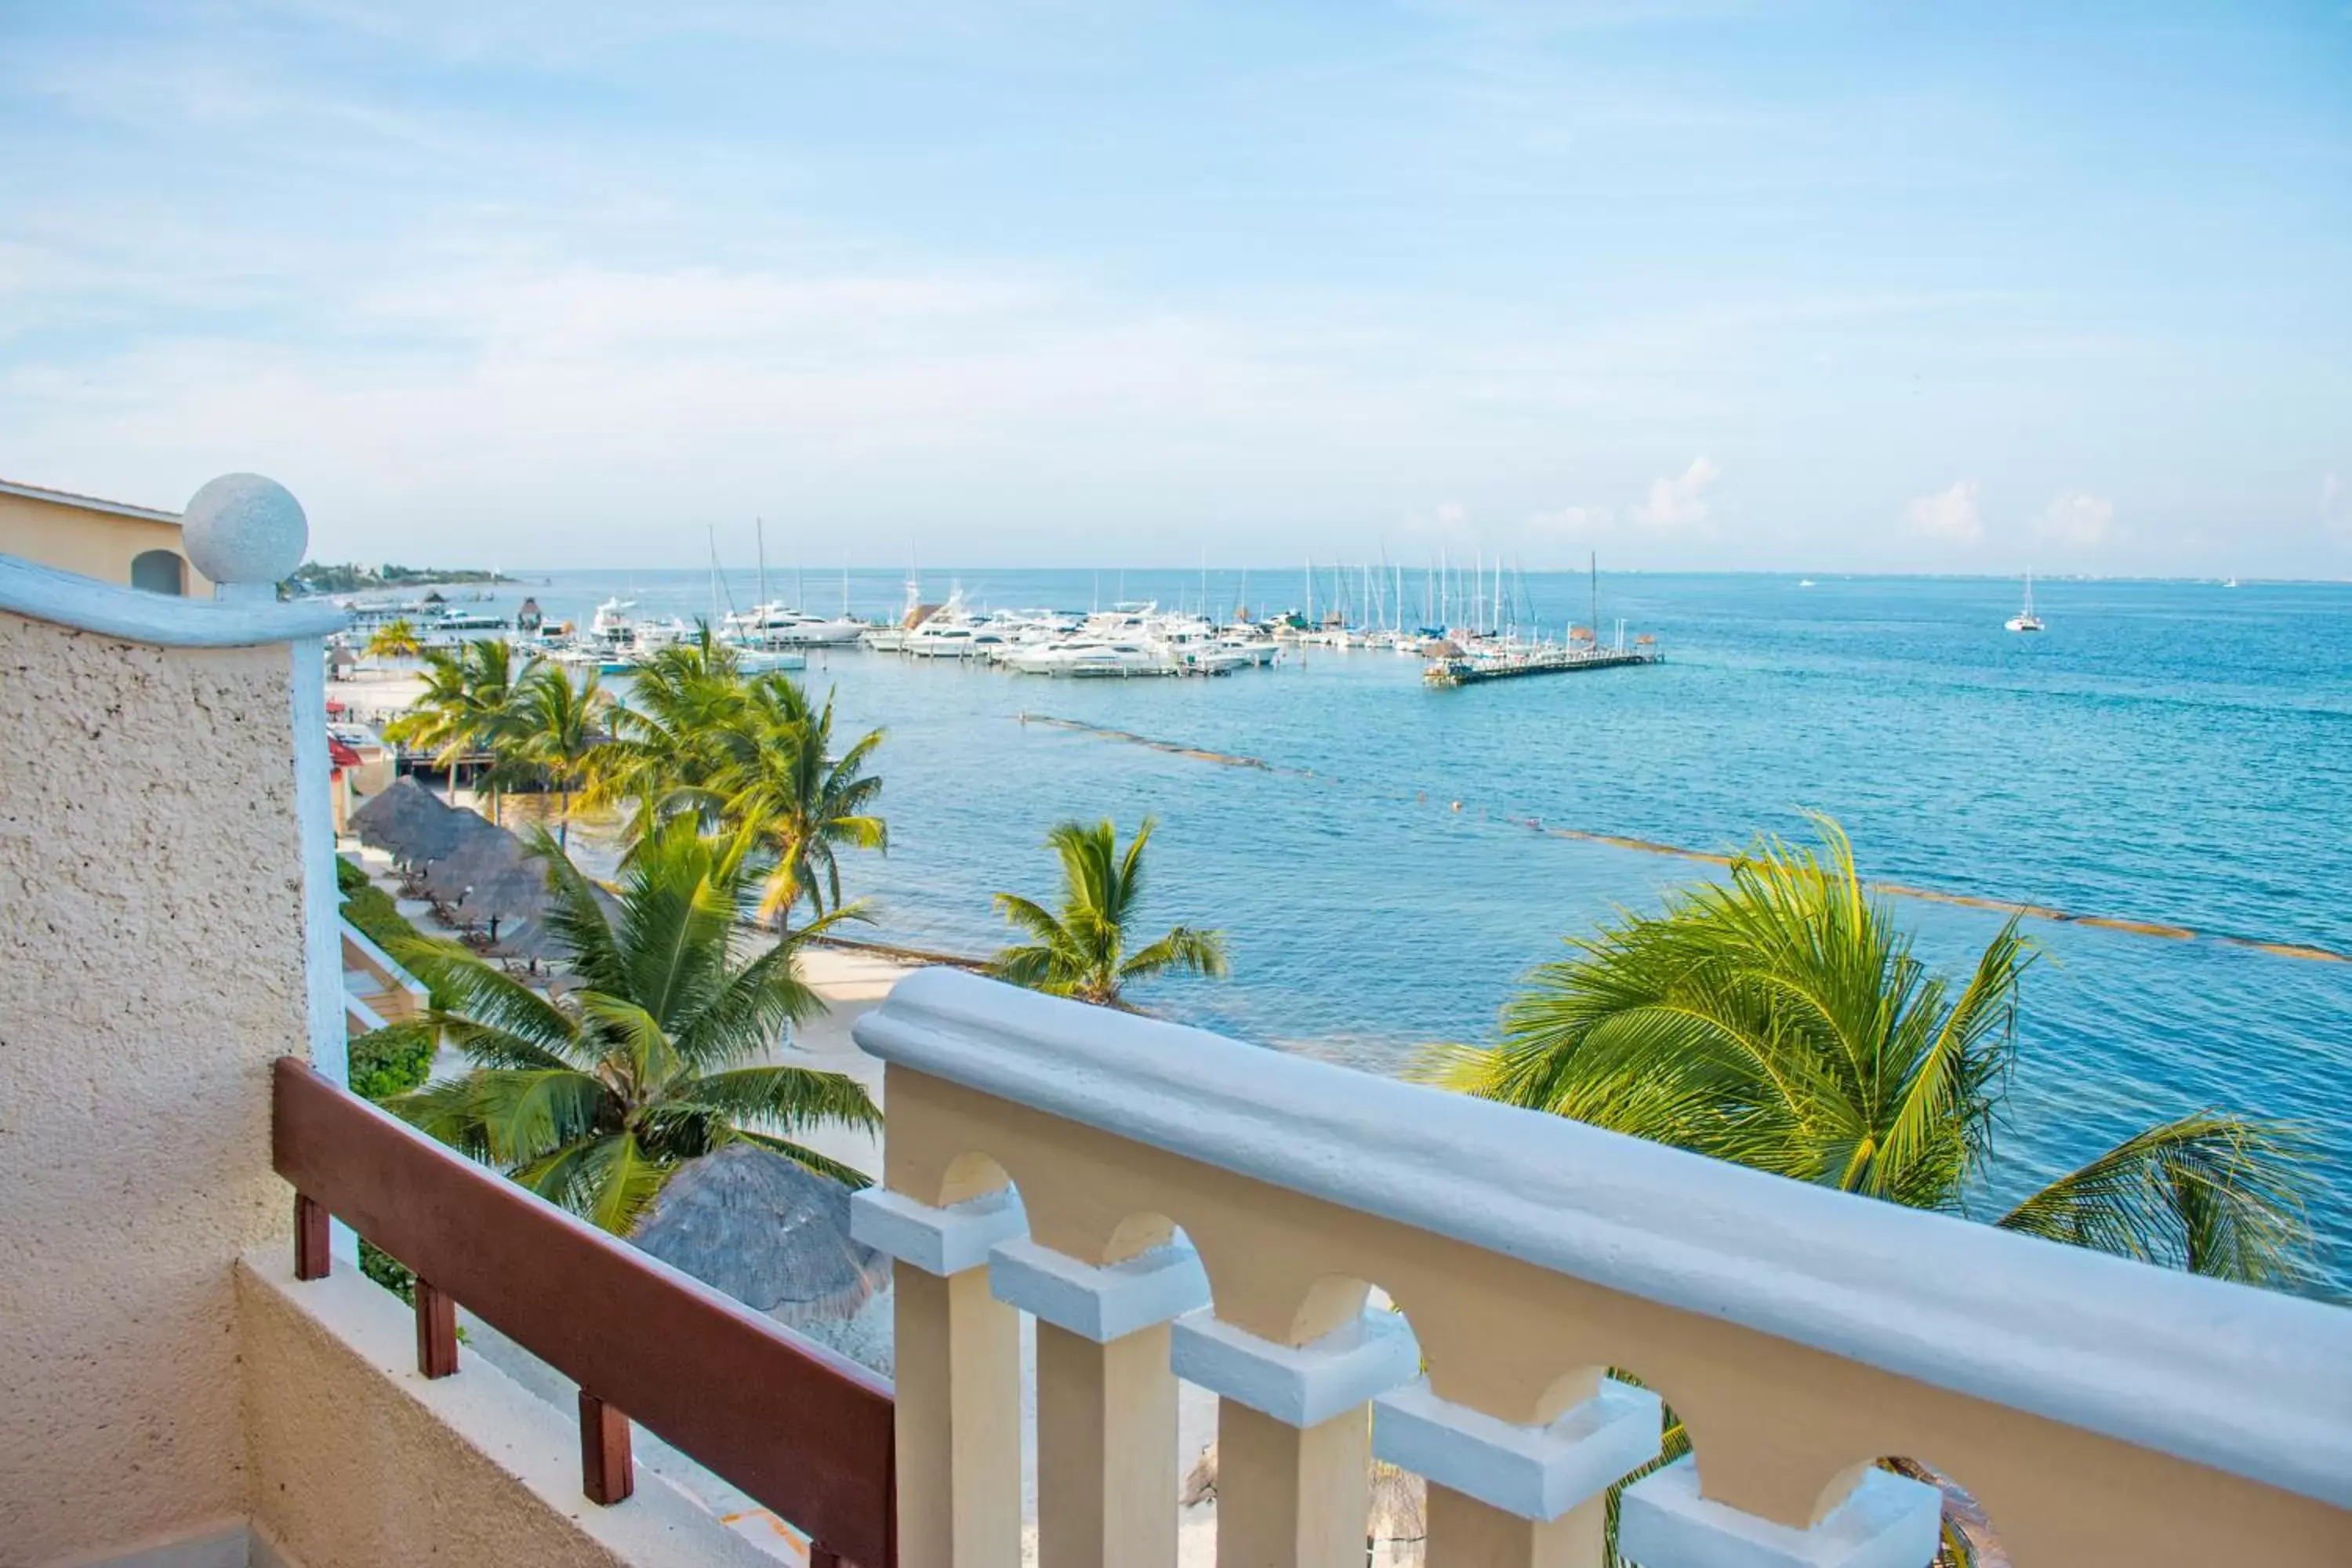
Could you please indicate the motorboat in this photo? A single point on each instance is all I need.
(761, 660)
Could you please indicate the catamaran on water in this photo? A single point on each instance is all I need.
(2025, 620)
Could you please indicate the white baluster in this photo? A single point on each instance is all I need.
(1293, 1438)
(959, 1377)
(1508, 1496)
(1105, 1398)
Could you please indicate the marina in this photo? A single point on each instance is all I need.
(1478, 625)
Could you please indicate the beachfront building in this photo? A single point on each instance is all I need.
(111, 541)
(192, 1372)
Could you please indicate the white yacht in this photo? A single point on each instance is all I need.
(611, 622)
(1113, 659)
(951, 632)
(779, 625)
(893, 638)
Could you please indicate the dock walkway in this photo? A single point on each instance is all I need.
(1466, 670)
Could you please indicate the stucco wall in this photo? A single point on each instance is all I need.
(358, 1460)
(94, 542)
(151, 952)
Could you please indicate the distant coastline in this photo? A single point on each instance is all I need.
(318, 577)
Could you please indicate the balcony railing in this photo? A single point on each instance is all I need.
(1171, 1203)
(806, 1433)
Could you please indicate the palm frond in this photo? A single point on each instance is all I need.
(465, 988)
(625, 1178)
(2214, 1193)
(784, 1099)
(849, 1176)
(653, 1059)
(1184, 951)
(523, 1112)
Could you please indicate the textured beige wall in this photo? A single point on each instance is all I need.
(86, 540)
(151, 952)
(359, 1461)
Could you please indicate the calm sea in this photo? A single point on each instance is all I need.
(2172, 754)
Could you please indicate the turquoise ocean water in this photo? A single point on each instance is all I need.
(2167, 752)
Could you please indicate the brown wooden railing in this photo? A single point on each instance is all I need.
(805, 1432)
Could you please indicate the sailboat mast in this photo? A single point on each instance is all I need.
(760, 533)
(1596, 598)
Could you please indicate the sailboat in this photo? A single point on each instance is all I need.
(2025, 620)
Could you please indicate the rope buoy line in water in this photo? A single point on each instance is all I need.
(2153, 929)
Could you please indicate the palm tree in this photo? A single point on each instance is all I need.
(594, 1100)
(669, 737)
(556, 731)
(1082, 952)
(782, 783)
(492, 687)
(1782, 1021)
(467, 705)
(393, 639)
(439, 720)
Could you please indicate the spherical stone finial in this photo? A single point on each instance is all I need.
(244, 528)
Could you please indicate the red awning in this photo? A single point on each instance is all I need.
(343, 756)
(333, 706)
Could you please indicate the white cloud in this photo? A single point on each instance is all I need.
(1949, 515)
(2078, 520)
(1571, 524)
(1445, 523)
(1680, 503)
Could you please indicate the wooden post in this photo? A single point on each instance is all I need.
(607, 1472)
(823, 1556)
(310, 1257)
(436, 1332)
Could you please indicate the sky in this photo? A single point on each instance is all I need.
(1793, 286)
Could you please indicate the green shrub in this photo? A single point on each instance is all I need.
(371, 909)
(392, 1060)
(388, 1271)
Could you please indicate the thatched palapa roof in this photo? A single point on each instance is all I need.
(770, 1233)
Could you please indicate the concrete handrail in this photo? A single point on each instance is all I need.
(2241, 1380)
(85, 603)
